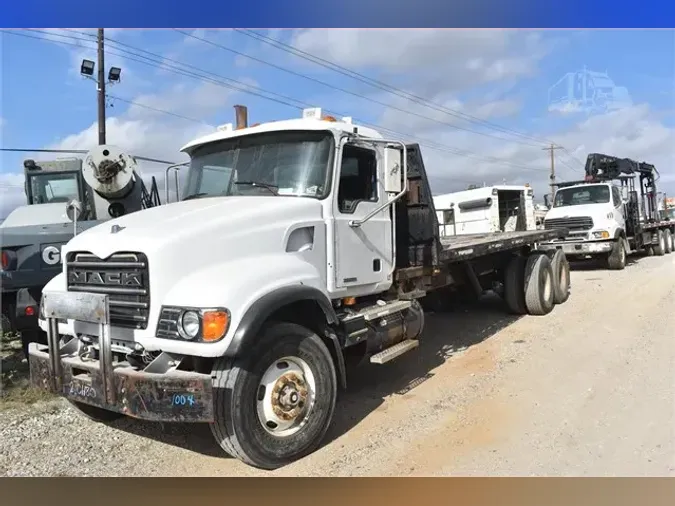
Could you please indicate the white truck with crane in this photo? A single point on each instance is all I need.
(606, 216)
(299, 247)
(106, 184)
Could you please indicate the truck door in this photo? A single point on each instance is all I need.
(363, 254)
(619, 215)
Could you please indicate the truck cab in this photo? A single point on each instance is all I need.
(593, 213)
(48, 186)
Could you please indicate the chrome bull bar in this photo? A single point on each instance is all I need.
(84, 307)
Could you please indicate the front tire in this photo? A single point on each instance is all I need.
(274, 404)
(616, 260)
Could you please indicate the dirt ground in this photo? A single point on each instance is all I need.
(587, 391)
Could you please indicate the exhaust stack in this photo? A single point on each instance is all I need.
(241, 116)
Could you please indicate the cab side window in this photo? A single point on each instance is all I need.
(358, 178)
(616, 196)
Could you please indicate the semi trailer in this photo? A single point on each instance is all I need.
(299, 248)
(105, 182)
(606, 216)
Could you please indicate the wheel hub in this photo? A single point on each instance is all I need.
(289, 396)
(286, 396)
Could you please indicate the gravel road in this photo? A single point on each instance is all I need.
(588, 390)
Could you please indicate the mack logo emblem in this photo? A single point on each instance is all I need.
(105, 278)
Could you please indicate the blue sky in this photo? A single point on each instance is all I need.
(502, 77)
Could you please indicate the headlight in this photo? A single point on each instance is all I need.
(600, 234)
(193, 324)
(189, 325)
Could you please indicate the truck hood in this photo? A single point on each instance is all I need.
(596, 211)
(37, 214)
(192, 226)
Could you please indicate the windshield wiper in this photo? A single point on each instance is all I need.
(194, 196)
(272, 188)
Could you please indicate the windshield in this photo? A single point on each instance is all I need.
(275, 163)
(49, 188)
(591, 194)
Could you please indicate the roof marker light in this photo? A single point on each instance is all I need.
(227, 127)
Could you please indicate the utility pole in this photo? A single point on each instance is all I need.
(101, 89)
(552, 149)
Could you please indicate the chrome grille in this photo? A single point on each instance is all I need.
(572, 224)
(124, 277)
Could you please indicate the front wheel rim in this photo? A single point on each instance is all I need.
(286, 396)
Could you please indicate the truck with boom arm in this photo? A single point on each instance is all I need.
(105, 182)
(300, 247)
(606, 216)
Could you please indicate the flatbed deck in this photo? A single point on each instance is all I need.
(465, 247)
(656, 225)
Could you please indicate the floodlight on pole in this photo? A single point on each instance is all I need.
(87, 68)
(114, 74)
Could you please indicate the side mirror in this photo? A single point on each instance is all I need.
(74, 210)
(393, 179)
(547, 200)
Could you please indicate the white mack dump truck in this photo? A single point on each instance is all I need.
(299, 247)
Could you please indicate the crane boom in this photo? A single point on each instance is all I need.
(607, 167)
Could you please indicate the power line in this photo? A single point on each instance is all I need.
(352, 93)
(381, 85)
(396, 92)
(150, 108)
(244, 87)
(428, 143)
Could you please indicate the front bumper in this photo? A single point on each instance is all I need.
(579, 248)
(158, 392)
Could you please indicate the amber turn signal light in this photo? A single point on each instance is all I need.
(214, 325)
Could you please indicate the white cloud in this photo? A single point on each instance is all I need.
(634, 132)
(410, 116)
(146, 130)
(11, 192)
(431, 61)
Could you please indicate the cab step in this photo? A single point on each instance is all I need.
(394, 351)
(383, 309)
